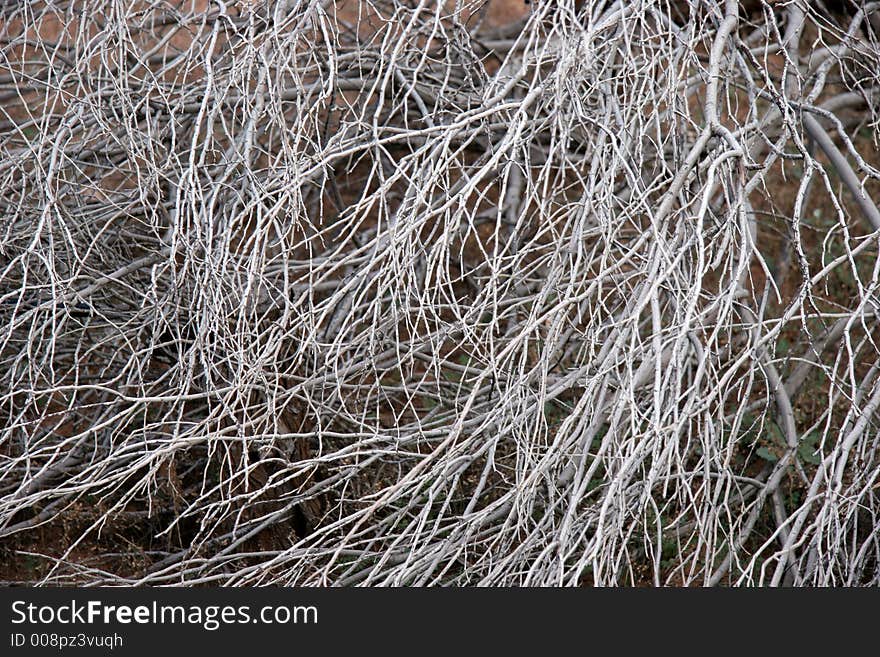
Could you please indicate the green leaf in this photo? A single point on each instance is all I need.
(811, 439)
(807, 454)
(766, 454)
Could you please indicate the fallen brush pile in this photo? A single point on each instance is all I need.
(385, 292)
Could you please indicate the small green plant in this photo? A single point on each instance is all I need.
(808, 448)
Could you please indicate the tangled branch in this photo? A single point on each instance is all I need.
(382, 292)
